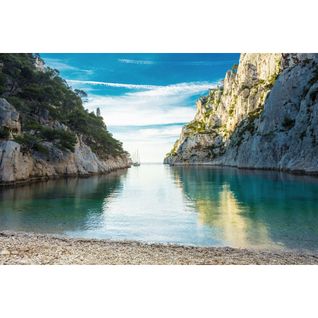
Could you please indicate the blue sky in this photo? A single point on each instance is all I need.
(145, 99)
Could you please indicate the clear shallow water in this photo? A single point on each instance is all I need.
(202, 206)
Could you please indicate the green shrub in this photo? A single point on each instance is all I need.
(31, 124)
(65, 140)
(231, 109)
(30, 142)
(196, 127)
(32, 91)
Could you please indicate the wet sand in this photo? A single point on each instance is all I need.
(30, 248)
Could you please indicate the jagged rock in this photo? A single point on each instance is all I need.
(13, 164)
(9, 117)
(5, 252)
(17, 165)
(40, 140)
(265, 116)
(39, 64)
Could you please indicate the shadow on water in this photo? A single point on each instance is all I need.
(254, 208)
(57, 206)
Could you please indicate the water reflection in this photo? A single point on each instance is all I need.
(254, 208)
(202, 206)
(57, 206)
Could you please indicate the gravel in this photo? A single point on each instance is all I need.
(30, 248)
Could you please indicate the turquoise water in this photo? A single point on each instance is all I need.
(201, 206)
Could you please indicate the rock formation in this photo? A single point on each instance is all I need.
(9, 117)
(35, 143)
(17, 166)
(264, 115)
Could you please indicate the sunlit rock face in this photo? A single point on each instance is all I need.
(37, 138)
(17, 165)
(9, 117)
(263, 115)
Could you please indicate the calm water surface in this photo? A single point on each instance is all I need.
(202, 206)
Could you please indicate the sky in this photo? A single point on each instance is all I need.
(145, 99)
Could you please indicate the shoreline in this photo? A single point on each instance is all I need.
(14, 184)
(45, 249)
(32, 180)
(296, 172)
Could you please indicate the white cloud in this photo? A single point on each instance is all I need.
(119, 85)
(144, 134)
(139, 62)
(171, 62)
(152, 143)
(186, 89)
(138, 111)
(150, 151)
(159, 105)
(62, 66)
(147, 105)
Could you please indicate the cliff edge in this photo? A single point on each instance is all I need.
(264, 115)
(45, 132)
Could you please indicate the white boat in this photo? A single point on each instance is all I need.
(136, 159)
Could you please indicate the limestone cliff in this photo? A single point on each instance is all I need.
(19, 166)
(263, 115)
(45, 132)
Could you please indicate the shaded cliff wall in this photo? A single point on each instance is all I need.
(264, 115)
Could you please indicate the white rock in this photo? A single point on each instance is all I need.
(9, 117)
(257, 121)
(4, 252)
(16, 165)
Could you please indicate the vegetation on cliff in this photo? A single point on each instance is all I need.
(263, 116)
(50, 111)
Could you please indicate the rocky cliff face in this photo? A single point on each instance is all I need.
(17, 165)
(45, 132)
(264, 115)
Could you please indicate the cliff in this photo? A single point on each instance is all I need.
(45, 132)
(263, 115)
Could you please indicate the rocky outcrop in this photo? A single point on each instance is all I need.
(17, 165)
(9, 117)
(264, 115)
(45, 130)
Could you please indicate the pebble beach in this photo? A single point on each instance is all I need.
(39, 249)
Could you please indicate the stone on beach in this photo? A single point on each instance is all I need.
(5, 252)
(46, 249)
